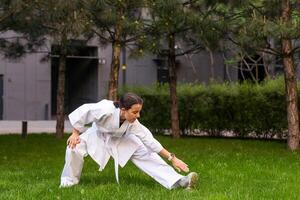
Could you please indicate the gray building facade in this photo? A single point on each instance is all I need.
(28, 84)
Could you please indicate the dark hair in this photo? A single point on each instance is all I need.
(127, 100)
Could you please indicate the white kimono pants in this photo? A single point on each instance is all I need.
(149, 162)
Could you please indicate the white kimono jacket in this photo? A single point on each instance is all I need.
(105, 138)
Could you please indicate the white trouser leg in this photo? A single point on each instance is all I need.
(153, 165)
(73, 164)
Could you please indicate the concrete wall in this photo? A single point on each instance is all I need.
(197, 68)
(104, 55)
(27, 85)
(142, 71)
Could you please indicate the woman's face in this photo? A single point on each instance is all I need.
(133, 113)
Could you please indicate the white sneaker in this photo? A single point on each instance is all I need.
(189, 181)
(64, 183)
(192, 180)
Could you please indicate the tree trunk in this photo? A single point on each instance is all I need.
(115, 63)
(290, 83)
(173, 87)
(60, 111)
(211, 66)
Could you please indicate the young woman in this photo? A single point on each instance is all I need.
(116, 132)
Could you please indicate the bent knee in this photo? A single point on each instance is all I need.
(79, 149)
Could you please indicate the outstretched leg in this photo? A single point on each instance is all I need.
(153, 165)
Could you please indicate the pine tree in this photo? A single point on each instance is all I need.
(60, 21)
(252, 25)
(174, 22)
(119, 23)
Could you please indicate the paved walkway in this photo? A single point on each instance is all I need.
(15, 127)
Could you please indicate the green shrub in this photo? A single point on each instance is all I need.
(245, 108)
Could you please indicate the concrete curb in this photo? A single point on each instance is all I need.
(34, 127)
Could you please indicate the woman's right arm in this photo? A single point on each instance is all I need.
(83, 115)
(88, 113)
(73, 139)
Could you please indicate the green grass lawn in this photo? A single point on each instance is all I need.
(229, 169)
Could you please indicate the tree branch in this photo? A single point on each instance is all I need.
(195, 49)
(100, 35)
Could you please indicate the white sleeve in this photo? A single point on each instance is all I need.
(88, 113)
(146, 137)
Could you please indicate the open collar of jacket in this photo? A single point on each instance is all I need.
(110, 124)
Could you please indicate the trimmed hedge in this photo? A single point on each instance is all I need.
(245, 108)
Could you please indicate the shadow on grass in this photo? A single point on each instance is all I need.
(104, 180)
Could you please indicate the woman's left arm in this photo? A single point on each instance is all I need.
(177, 163)
(147, 138)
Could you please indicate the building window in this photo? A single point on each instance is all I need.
(251, 68)
(162, 70)
(81, 77)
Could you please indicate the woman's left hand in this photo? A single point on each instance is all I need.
(179, 165)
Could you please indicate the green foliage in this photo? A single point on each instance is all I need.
(34, 22)
(14, 16)
(167, 18)
(107, 16)
(243, 108)
(62, 20)
(252, 25)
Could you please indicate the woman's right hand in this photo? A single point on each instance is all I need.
(73, 139)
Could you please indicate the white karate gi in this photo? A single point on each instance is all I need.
(105, 138)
